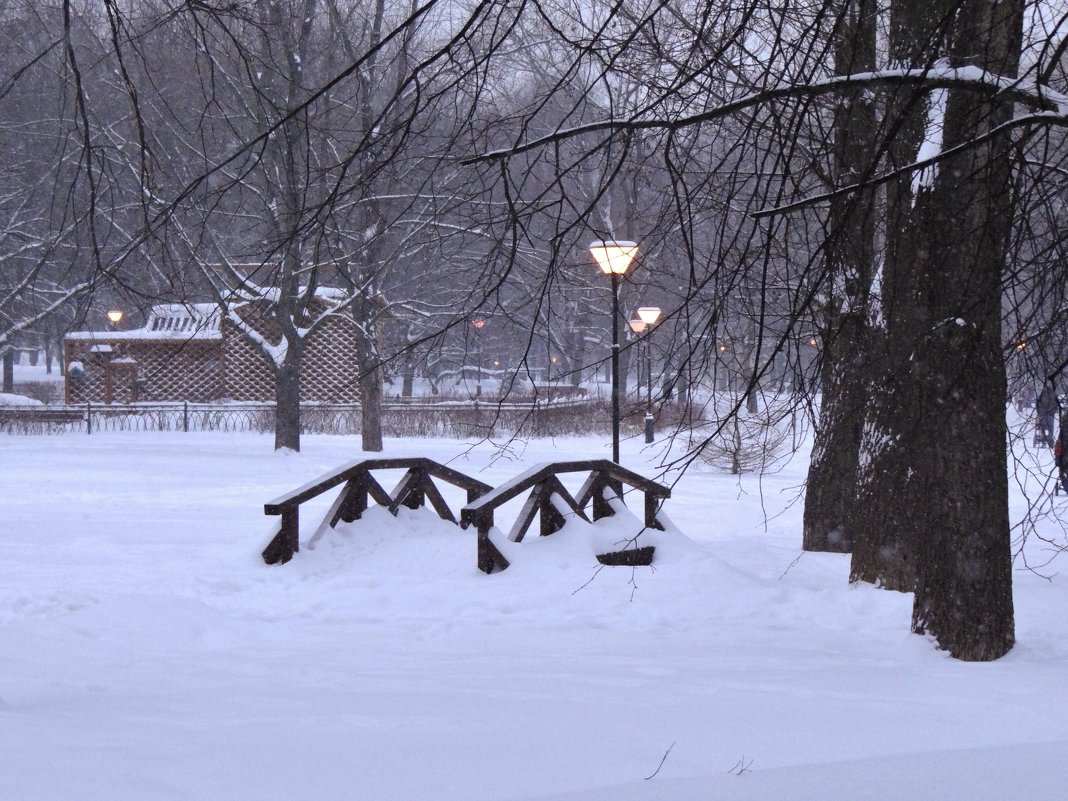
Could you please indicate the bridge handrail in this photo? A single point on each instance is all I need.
(340, 475)
(539, 472)
(413, 490)
(547, 497)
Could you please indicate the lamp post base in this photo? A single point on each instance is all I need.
(648, 428)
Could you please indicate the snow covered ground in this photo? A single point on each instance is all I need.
(147, 653)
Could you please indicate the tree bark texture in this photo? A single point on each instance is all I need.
(370, 402)
(938, 466)
(830, 496)
(964, 596)
(887, 513)
(287, 403)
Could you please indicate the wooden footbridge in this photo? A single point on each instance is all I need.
(548, 499)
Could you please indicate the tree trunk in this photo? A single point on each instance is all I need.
(408, 376)
(887, 514)
(370, 401)
(830, 497)
(964, 595)
(287, 402)
(9, 370)
(940, 469)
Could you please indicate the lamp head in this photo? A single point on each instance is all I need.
(649, 314)
(637, 326)
(613, 256)
(115, 316)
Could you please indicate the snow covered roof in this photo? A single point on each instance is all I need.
(167, 321)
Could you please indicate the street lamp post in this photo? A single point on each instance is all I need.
(638, 326)
(478, 323)
(649, 315)
(614, 257)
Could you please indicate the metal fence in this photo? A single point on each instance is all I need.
(400, 418)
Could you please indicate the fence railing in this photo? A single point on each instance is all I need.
(411, 418)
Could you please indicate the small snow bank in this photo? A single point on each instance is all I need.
(418, 567)
(9, 399)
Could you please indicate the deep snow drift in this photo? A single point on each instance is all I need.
(147, 653)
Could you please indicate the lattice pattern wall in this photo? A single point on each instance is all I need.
(329, 372)
(202, 370)
(247, 372)
(191, 371)
(163, 371)
(90, 386)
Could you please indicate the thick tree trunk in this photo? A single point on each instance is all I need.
(287, 403)
(964, 595)
(887, 515)
(938, 472)
(830, 497)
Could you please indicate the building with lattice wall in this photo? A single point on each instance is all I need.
(189, 352)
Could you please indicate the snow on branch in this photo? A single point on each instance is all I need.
(1023, 90)
(1039, 118)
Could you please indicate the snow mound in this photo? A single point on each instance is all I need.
(9, 399)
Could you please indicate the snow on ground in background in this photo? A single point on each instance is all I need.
(37, 372)
(9, 399)
(147, 652)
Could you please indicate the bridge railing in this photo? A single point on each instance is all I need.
(550, 500)
(414, 490)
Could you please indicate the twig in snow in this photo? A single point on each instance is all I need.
(741, 766)
(590, 581)
(663, 759)
(790, 566)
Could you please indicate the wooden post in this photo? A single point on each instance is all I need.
(490, 560)
(355, 502)
(287, 541)
(652, 506)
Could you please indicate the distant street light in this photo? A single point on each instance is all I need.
(637, 326)
(478, 324)
(614, 257)
(648, 315)
(115, 316)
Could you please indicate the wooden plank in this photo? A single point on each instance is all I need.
(315, 487)
(327, 481)
(352, 502)
(652, 506)
(550, 517)
(287, 541)
(526, 516)
(457, 479)
(631, 557)
(559, 489)
(490, 559)
(614, 474)
(593, 490)
(377, 491)
(405, 489)
(512, 489)
(433, 494)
